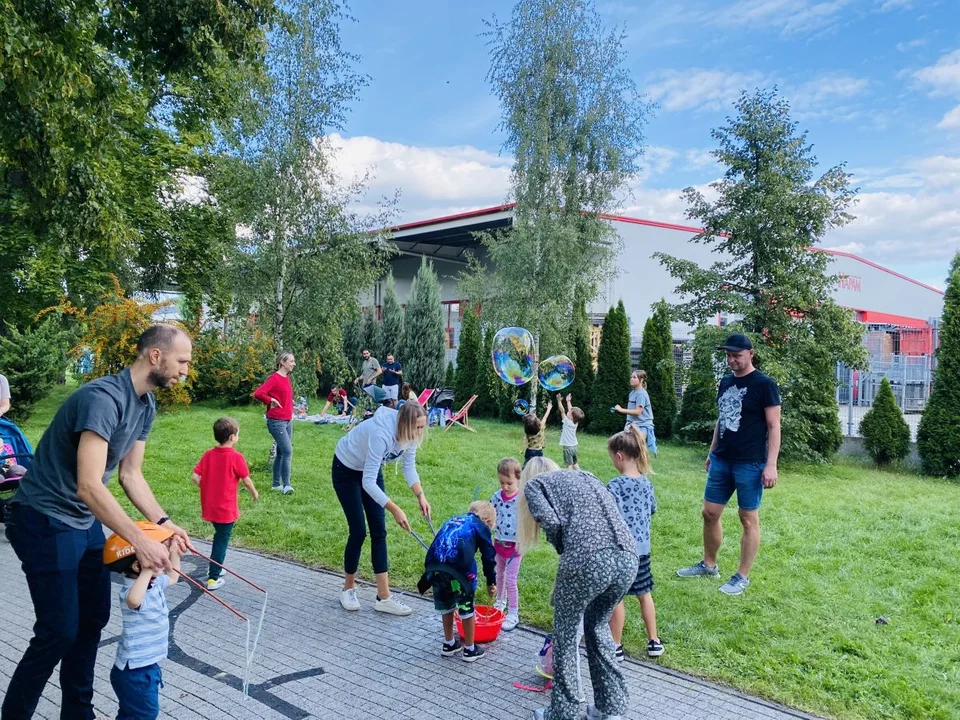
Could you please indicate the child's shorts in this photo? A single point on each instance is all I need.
(530, 453)
(644, 581)
(449, 594)
(570, 456)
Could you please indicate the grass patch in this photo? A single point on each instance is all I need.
(842, 545)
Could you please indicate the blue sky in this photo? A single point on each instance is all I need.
(875, 82)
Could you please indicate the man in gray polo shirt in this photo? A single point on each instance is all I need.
(369, 372)
(56, 519)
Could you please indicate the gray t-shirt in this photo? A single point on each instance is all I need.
(369, 369)
(639, 399)
(108, 406)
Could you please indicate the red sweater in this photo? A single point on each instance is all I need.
(277, 387)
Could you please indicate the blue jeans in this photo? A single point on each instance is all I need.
(70, 588)
(356, 504)
(282, 431)
(723, 478)
(138, 691)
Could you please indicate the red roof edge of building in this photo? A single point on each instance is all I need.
(874, 265)
(456, 216)
(872, 317)
(651, 223)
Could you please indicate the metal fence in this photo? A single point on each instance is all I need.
(910, 379)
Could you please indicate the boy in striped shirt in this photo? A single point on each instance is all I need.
(144, 639)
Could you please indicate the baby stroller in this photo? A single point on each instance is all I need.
(15, 456)
(441, 406)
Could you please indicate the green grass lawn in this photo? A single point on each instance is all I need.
(842, 545)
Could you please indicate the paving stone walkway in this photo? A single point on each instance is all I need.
(316, 661)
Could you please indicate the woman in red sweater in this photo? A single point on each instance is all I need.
(277, 394)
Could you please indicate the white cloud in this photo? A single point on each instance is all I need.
(888, 5)
(825, 96)
(426, 176)
(943, 76)
(951, 121)
(699, 89)
(910, 44)
(790, 17)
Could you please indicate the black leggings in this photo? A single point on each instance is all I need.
(356, 503)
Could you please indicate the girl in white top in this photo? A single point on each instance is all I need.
(504, 501)
(388, 436)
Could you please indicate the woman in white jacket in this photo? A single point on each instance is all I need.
(388, 436)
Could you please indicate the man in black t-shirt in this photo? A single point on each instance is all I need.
(743, 459)
(392, 374)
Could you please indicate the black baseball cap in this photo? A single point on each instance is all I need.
(736, 343)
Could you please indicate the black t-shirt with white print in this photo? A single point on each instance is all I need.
(742, 401)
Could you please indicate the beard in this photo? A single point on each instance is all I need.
(160, 379)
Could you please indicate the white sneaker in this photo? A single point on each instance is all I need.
(511, 622)
(215, 584)
(348, 599)
(392, 607)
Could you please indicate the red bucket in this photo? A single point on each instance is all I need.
(488, 619)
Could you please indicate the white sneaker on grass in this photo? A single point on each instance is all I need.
(348, 599)
(392, 607)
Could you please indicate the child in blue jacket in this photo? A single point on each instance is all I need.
(451, 569)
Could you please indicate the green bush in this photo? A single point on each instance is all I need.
(613, 372)
(33, 361)
(450, 379)
(698, 410)
(656, 358)
(886, 435)
(229, 368)
(469, 363)
(938, 438)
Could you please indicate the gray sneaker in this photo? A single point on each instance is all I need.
(735, 585)
(701, 569)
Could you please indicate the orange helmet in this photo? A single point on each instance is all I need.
(118, 554)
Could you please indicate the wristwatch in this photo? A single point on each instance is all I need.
(162, 520)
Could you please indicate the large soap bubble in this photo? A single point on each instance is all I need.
(556, 373)
(521, 407)
(513, 355)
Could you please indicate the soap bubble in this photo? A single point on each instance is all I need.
(521, 407)
(556, 373)
(513, 355)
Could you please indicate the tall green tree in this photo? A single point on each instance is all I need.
(698, 410)
(425, 335)
(582, 357)
(769, 212)
(304, 243)
(371, 332)
(613, 372)
(391, 320)
(469, 362)
(33, 361)
(352, 344)
(105, 106)
(656, 358)
(572, 118)
(938, 438)
(488, 384)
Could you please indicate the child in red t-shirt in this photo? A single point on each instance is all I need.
(217, 475)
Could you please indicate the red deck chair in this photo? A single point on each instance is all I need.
(462, 413)
(424, 396)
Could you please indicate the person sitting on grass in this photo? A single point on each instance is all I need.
(534, 434)
(144, 637)
(340, 400)
(217, 475)
(451, 568)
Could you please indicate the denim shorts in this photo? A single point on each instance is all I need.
(449, 595)
(726, 477)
